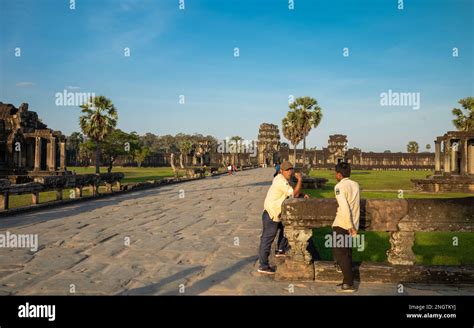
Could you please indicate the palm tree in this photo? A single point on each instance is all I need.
(412, 147)
(464, 121)
(100, 117)
(311, 116)
(185, 147)
(293, 128)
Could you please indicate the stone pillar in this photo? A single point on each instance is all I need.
(62, 155)
(37, 154)
(454, 154)
(10, 154)
(298, 263)
(35, 198)
(401, 252)
(4, 201)
(52, 154)
(437, 157)
(463, 153)
(95, 190)
(78, 192)
(470, 156)
(447, 156)
(16, 155)
(59, 194)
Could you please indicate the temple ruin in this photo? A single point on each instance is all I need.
(454, 164)
(28, 148)
(268, 144)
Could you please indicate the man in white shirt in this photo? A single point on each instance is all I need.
(346, 222)
(278, 192)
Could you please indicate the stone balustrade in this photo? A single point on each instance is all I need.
(58, 183)
(400, 217)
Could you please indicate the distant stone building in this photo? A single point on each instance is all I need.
(27, 146)
(454, 164)
(268, 144)
(338, 151)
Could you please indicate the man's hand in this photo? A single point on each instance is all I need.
(352, 232)
(306, 196)
(298, 176)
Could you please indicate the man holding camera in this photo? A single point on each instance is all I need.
(278, 192)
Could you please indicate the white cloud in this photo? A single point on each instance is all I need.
(25, 84)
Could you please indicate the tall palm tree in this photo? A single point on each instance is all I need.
(412, 147)
(311, 116)
(464, 121)
(293, 129)
(100, 117)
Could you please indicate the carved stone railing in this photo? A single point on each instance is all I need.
(400, 217)
(58, 183)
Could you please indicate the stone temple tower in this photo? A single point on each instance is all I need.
(337, 146)
(268, 144)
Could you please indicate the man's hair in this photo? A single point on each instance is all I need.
(344, 168)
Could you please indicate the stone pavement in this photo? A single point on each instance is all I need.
(156, 242)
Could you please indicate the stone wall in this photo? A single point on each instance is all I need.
(400, 217)
(445, 184)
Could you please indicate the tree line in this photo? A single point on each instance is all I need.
(102, 140)
(305, 114)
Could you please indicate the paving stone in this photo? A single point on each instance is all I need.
(174, 243)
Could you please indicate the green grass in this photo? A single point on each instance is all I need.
(328, 192)
(377, 180)
(431, 248)
(132, 174)
(380, 185)
(376, 244)
(437, 248)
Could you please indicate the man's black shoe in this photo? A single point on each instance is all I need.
(268, 270)
(345, 288)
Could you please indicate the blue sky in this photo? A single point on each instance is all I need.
(282, 52)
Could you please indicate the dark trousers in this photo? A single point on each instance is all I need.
(270, 230)
(343, 257)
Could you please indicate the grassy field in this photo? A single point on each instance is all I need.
(380, 184)
(132, 174)
(431, 248)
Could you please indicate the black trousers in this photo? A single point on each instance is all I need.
(270, 230)
(343, 256)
